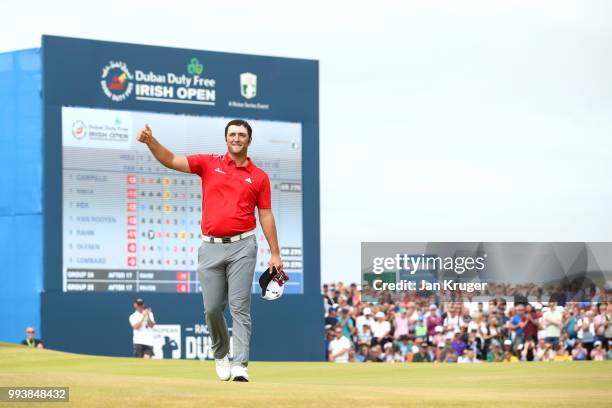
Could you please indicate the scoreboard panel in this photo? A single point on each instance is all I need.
(132, 225)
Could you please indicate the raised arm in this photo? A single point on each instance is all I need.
(163, 155)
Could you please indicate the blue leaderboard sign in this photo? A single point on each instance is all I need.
(118, 225)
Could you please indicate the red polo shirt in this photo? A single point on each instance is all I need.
(229, 193)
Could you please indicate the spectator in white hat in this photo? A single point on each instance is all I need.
(389, 355)
(365, 318)
(438, 336)
(598, 353)
(381, 328)
(508, 346)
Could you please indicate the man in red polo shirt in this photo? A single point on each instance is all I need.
(232, 187)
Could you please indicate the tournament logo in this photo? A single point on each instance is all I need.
(194, 67)
(78, 129)
(248, 85)
(116, 81)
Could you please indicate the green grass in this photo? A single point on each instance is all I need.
(126, 382)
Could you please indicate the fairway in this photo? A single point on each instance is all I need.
(127, 382)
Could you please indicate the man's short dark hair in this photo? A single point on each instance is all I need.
(239, 122)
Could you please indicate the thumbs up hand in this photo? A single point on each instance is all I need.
(145, 135)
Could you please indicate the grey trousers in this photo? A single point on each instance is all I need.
(226, 274)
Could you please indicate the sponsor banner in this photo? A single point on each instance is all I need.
(482, 271)
(118, 83)
(192, 343)
(198, 344)
(167, 341)
(138, 77)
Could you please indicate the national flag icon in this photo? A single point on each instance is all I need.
(131, 234)
(131, 247)
(131, 193)
(131, 220)
(131, 261)
(131, 179)
(131, 207)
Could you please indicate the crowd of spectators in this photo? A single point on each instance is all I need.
(410, 329)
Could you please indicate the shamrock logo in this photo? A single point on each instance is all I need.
(195, 67)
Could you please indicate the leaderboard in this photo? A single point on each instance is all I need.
(131, 225)
(154, 242)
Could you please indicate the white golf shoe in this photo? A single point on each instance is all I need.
(239, 373)
(222, 366)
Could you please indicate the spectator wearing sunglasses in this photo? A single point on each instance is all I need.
(31, 340)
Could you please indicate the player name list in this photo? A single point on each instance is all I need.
(130, 226)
